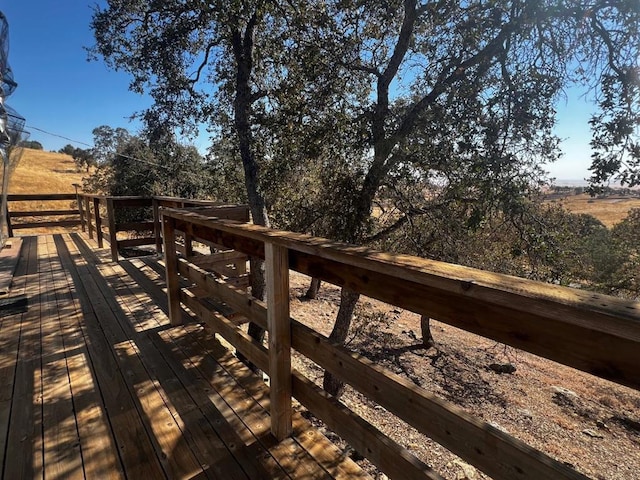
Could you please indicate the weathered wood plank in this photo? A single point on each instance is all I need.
(595, 333)
(388, 456)
(201, 434)
(10, 334)
(62, 457)
(24, 197)
(99, 452)
(113, 233)
(54, 223)
(136, 242)
(277, 279)
(171, 276)
(24, 440)
(489, 449)
(137, 453)
(41, 213)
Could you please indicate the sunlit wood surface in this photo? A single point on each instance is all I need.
(96, 383)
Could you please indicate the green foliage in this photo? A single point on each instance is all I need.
(68, 149)
(32, 144)
(130, 165)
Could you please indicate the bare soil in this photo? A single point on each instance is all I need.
(588, 423)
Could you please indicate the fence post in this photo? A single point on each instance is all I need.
(171, 269)
(277, 273)
(79, 200)
(113, 235)
(96, 211)
(87, 209)
(157, 226)
(8, 217)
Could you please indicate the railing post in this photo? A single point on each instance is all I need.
(171, 269)
(157, 226)
(96, 211)
(79, 200)
(8, 217)
(87, 209)
(113, 235)
(277, 273)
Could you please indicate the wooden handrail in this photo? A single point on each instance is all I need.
(596, 333)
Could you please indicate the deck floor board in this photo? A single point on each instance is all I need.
(96, 383)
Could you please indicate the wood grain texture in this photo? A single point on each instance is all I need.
(277, 278)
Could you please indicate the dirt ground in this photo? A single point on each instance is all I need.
(589, 423)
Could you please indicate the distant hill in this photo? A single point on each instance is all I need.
(44, 172)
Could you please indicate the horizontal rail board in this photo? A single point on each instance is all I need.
(491, 450)
(450, 426)
(42, 213)
(136, 226)
(249, 347)
(59, 223)
(388, 456)
(23, 197)
(233, 296)
(594, 333)
(120, 202)
(136, 242)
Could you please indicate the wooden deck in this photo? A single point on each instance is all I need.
(95, 382)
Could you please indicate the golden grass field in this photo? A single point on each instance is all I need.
(609, 210)
(39, 171)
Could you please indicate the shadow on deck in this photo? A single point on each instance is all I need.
(96, 383)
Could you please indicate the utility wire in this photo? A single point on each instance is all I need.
(166, 167)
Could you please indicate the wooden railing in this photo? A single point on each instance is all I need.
(595, 333)
(99, 214)
(71, 215)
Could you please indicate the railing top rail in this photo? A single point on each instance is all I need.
(596, 333)
(17, 197)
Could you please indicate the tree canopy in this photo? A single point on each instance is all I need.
(383, 111)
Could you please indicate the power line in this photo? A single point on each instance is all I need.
(91, 146)
(59, 136)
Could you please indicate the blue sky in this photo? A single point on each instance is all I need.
(61, 92)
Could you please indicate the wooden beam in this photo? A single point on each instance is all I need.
(22, 197)
(157, 226)
(595, 333)
(136, 242)
(87, 209)
(42, 213)
(79, 201)
(54, 223)
(491, 450)
(171, 270)
(96, 210)
(277, 279)
(134, 226)
(384, 453)
(113, 234)
(246, 345)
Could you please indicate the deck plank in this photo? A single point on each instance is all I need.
(96, 383)
(98, 447)
(10, 328)
(62, 457)
(24, 456)
(144, 314)
(135, 448)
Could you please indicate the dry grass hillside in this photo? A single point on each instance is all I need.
(609, 210)
(43, 172)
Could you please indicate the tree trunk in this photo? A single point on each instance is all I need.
(243, 52)
(348, 301)
(314, 287)
(427, 338)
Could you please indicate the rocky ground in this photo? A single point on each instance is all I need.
(591, 424)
